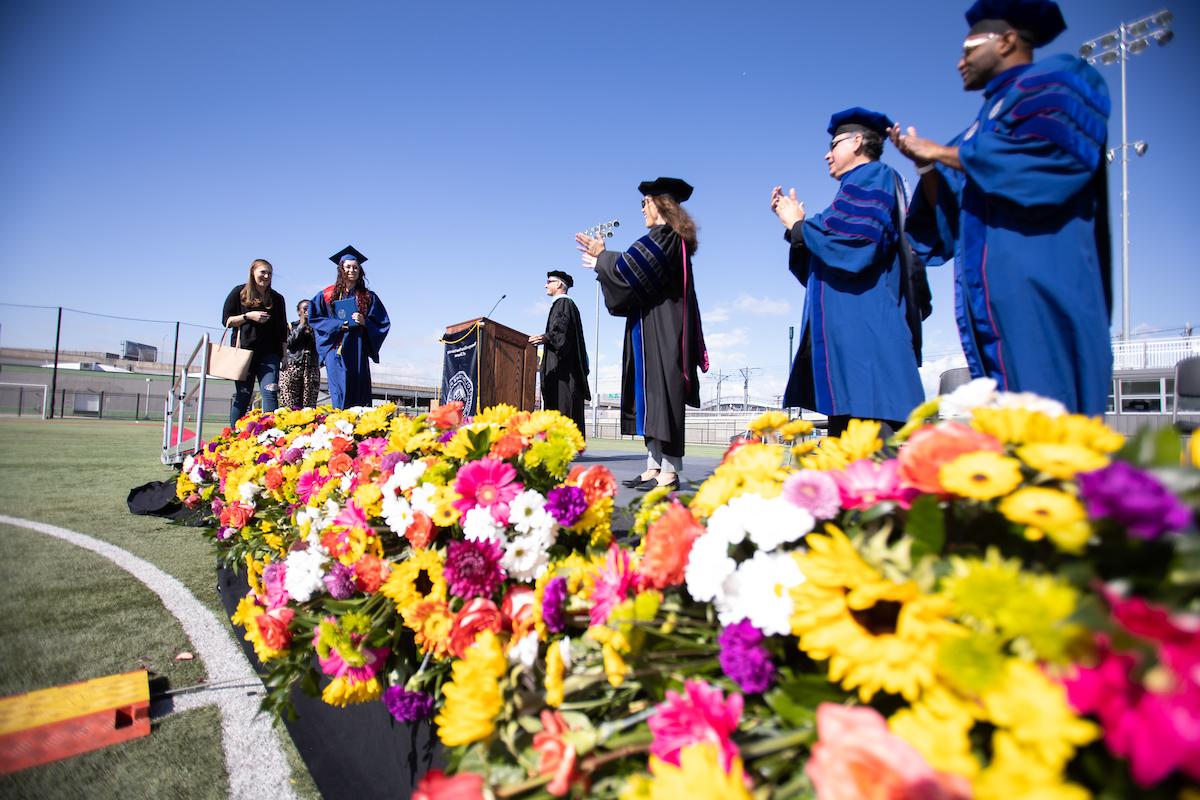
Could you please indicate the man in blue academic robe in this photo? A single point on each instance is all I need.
(346, 344)
(1019, 201)
(858, 353)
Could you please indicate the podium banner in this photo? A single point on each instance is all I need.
(460, 370)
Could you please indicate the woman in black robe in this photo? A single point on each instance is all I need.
(651, 285)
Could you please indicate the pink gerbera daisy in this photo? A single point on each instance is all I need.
(487, 483)
(613, 584)
(702, 714)
(865, 483)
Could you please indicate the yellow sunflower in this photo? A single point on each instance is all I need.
(878, 635)
(415, 580)
(1048, 512)
(699, 776)
(1061, 461)
(982, 475)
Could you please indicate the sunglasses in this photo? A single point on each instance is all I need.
(843, 138)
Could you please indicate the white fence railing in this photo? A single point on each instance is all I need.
(1154, 353)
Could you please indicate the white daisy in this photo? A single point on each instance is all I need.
(526, 557)
(478, 524)
(305, 569)
(708, 566)
(775, 522)
(397, 512)
(421, 498)
(960, 402)
(758, 591)
(523, 509)
(524, 651)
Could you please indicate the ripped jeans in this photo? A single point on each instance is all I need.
(266, 370)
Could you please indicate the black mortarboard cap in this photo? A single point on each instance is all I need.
(680, 190)
(1039, 21)
(861, 117)
(348, 250)
(562, 276)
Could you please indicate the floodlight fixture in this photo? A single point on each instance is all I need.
(1163, 18)
(1110, 155)
(1163, 37)
(1140, 147)
(1086, 49)
(1110, 57)
(1138, 28)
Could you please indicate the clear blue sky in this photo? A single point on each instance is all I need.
(152, 149)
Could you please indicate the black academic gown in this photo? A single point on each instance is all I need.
(565, 362)
(651, 285)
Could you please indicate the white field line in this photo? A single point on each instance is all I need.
(254, 760)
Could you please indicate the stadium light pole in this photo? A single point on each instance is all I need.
(1116, 47)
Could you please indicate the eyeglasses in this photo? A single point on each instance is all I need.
(645, 201)
(978, 40)
(839, 139)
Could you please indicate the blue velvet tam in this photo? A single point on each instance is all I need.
(859, 119)
(1038, 21)
(348, 253)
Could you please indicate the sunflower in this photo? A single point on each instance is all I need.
(415, 580)
(1061, 461)
(982, 475)
(1048, 512)
(878, 635)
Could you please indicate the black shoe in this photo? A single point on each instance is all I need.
(636, 481)
(653, 483)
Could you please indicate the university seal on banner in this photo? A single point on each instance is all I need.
(461, 388)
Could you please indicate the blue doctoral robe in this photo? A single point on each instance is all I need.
(856, 353)
(1026, 223)
(348, 372)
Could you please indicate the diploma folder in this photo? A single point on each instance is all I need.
(345, 310)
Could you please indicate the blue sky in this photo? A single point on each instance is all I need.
(151, 150)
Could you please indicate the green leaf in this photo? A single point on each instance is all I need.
(1154, 448)
(926, 527)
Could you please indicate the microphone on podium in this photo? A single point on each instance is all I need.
(489, 314)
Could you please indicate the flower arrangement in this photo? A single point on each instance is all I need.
(999, 601)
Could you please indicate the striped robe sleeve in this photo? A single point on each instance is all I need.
(858, 230)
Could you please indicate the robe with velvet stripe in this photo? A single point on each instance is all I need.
(856, 350)
(651, 285)
(1026, 223)
(349, 372)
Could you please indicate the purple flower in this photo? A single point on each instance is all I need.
(340, 581)
(1133, 498)
(262, 458)
(566, 504)
(224, 533)
(554, 600)
(390, 460)
(447, 436)
(212, 447)
(217, 505)
(292, 455)
(743, 658)
(407, 706)
(814, 491)
(473, 568)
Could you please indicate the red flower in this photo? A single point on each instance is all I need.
(509, 445)
(370, 572)
(555, 754)
(340, 464)
(236, 514)
(517, 608)
(273, 627)
(668, 544)
(447, 416)
(436, 785)
(273, 478)
(476, 616)
(341, 444)
(596, 482)
(420, 531)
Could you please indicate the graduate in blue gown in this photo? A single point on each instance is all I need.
(858, 354)
(347, 344)
(1019, 201)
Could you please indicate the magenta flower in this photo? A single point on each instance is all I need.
(272, 578)
(372, 447)
(407, 706)
(566, 504)
(473, 568)
(336, 667)
(700, 715)
(1134, 498)
(864, 483)
(814, 491)
(389, 461)
(613, 584)
(487, 483)
(554, 599)
(308, 484)
(744, 660)
(339, 581)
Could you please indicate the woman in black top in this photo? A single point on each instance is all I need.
(300, 380)
(258, 314)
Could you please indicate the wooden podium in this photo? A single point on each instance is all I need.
(506, 366)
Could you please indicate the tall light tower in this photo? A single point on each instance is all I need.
(1116, 47)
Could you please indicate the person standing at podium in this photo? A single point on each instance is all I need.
(564, 358)
(651, 285)
(350, 324)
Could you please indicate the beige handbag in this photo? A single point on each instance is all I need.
(227, 361)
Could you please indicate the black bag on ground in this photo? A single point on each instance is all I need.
(155, 499)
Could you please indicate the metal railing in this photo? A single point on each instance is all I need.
(1154, 353)
(176, 404)
(8, 390)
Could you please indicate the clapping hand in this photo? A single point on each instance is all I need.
(787, 207)
(593, 246)
(921, 151)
